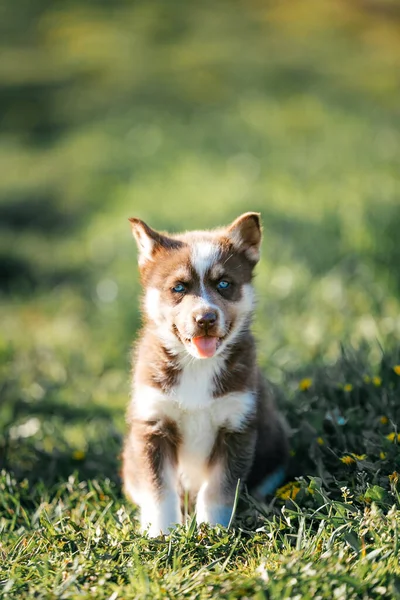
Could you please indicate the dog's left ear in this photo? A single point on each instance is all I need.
(245, 235)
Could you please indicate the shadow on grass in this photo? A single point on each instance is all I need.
(34, 445)
(48, 407)
(384, 225)
(29, 460)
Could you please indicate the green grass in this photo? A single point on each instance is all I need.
(66, 530)
(333, 532)
(187, 117)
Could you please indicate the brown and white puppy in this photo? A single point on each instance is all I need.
(200, 417)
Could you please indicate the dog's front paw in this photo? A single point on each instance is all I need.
(154, 530)
(157, 517)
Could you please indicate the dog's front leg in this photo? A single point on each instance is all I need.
(160, 507)
(150, 476)
(229, 462)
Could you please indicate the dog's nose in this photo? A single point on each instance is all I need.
(206, 320)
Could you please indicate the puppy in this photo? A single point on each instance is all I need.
(200, 417)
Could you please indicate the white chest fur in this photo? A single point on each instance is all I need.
(199, 429)
(197, 414)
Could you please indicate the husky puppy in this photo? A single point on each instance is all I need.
(200, 417)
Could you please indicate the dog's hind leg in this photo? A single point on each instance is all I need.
(230, 461)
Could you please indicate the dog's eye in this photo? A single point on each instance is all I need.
(223, 285)
(179, 288)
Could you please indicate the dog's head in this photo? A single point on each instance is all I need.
(197, 284)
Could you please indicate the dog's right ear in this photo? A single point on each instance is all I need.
(148, 240)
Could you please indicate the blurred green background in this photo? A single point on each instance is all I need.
(186, 115)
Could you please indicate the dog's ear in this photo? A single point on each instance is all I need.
(245, 235)
(149, 241)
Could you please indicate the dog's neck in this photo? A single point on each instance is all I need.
(159, 366)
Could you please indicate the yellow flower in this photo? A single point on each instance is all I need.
(288, 491)
(367, 379)
(394, 477)
(351, 458)
(305, 384)
(384, 420)
(382, 455)
(320, 441)
(377, 381)
(348, 387)
(393, 436)
(396, 369)
(78, 455)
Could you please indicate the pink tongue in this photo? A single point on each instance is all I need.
(205, 346)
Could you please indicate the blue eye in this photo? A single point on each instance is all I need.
(179, 288)
(223, 285)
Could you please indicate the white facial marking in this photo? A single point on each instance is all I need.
(204, 255)
(217, 271)
(152, 304)
(153, 307)
(182, 274)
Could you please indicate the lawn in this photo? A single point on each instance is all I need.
(186, 116)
